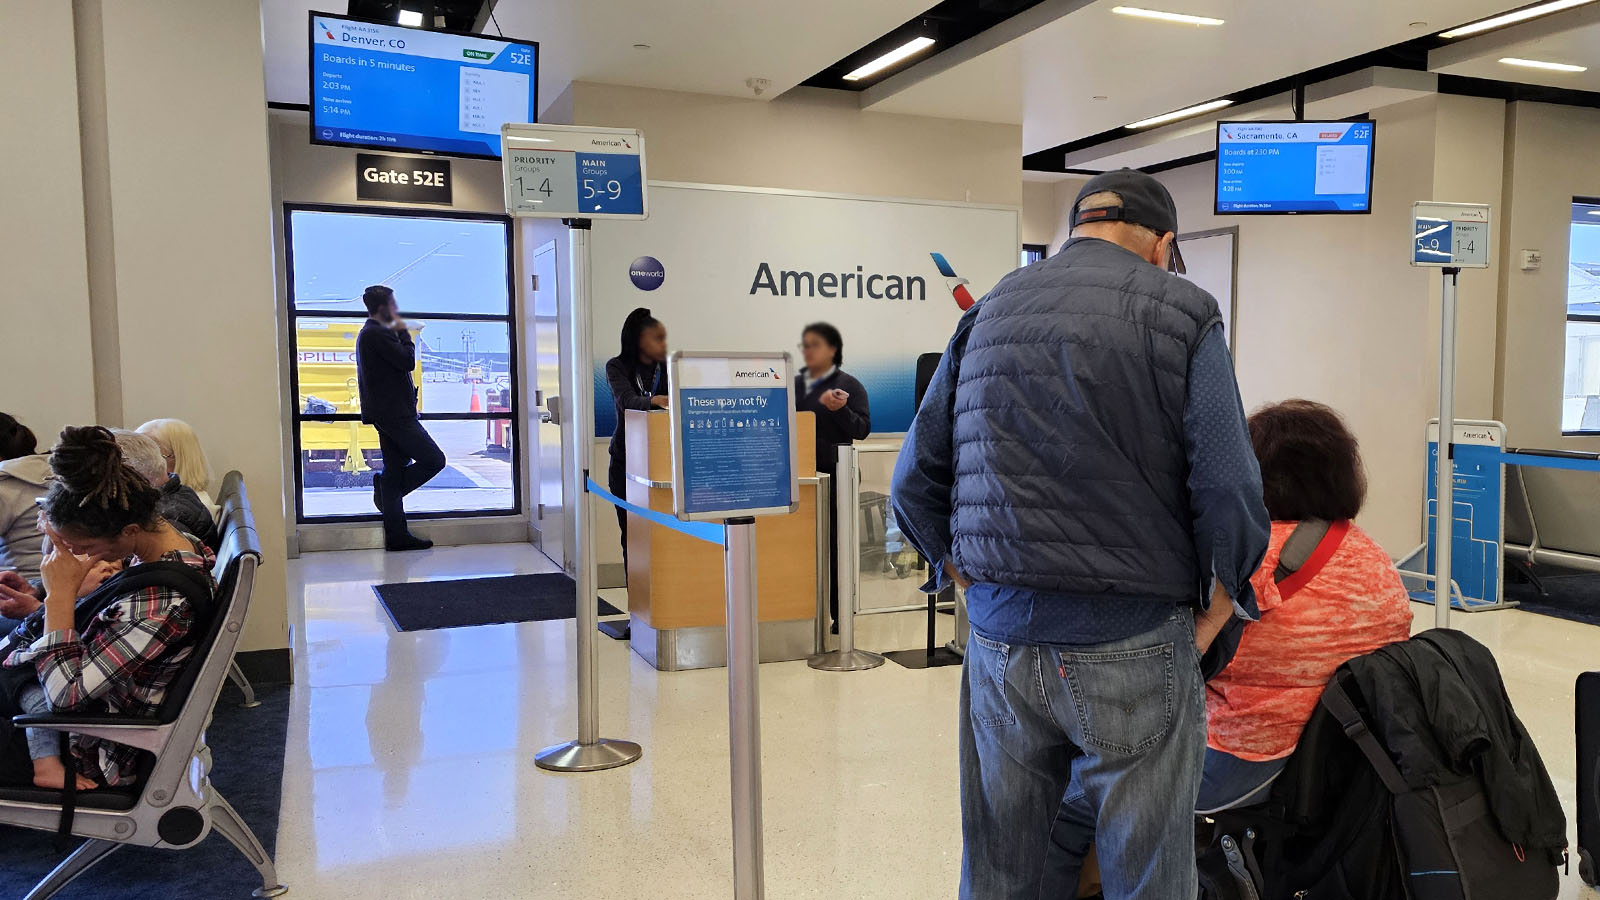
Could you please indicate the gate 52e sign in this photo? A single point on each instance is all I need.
(402, 178)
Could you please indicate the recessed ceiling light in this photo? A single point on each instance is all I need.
(1100, 97)
(410, 17)
(641, 46)
(1513, 17)
(1180, 18)
(1180, 114)
(904, 51)
(1417, 24)
(1541, 64)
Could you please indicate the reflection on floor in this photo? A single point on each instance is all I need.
(410, 772)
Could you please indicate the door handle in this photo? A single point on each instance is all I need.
(552, 411)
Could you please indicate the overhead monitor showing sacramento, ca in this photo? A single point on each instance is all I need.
(1294, 167)
(409, 89)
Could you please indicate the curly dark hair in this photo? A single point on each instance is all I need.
(1310, 462)
(15, 438)
(94, 493)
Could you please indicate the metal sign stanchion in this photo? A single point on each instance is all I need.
(733, 460)
(1449, 237)
(847, 492)
(590, 752)
(744, 707)
(1444, 469)
(575, 174)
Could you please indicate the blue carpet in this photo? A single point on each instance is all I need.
(1574, 596)
(247, 751)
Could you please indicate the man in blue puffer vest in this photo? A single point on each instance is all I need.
(1081, 466)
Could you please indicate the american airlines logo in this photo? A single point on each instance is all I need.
(770, 374)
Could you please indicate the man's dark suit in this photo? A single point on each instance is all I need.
(385, 358)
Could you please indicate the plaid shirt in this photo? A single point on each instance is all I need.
(123, 663)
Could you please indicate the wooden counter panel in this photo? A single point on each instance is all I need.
(676, 581)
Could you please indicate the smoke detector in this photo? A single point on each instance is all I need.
(758, 86)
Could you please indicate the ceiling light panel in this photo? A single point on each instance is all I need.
(1513, 17)
(1541, 64)
(1160, 16)
(904, 51)
(1184, 113)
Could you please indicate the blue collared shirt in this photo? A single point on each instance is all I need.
(1230, 523)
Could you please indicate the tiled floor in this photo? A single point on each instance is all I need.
(410, 770)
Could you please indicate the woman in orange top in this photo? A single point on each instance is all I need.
(1354, 604)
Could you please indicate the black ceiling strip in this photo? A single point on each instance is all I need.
(949, 23)
(297, 107)
(1463, 86)
(1409, 55)
(1179, 163)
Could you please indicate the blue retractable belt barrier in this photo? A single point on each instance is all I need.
(710, 532)
(1540, 461)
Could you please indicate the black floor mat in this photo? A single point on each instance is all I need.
(423, 605)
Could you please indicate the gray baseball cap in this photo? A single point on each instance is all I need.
(1145, 202)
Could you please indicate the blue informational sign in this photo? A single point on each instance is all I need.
(1432, 242)
(397, 88)
(1450, 235)
(1294, 167)
(733, 436)
(560, 171)
(1479, 501)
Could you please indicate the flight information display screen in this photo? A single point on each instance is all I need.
(1294, 167)
(397, 88)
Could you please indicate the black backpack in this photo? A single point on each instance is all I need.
(1343, 824)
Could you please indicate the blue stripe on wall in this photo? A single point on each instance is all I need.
(891, 385)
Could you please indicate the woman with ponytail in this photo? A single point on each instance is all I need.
(638, 379)
(120, 647)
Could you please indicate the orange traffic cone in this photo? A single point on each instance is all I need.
(477, 403)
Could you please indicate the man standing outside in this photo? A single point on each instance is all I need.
(385, 358)
(1082, 467)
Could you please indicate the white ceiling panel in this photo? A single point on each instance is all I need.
(1144, 68)
(705, 46)
(1571, 37)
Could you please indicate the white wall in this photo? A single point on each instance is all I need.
(1551, 157)
(44, 294)
(811, 140)
(1329, 308)
(187, 222)
(807, 140)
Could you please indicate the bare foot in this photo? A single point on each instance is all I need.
(49, 773)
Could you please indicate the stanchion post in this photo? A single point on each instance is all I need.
(824, 543)
(1444, 470)
(744, 707)
(847, 494)
(590, 752)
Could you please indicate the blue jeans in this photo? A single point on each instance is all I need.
(1119, 728)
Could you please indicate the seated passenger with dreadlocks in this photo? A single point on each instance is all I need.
(120, 647)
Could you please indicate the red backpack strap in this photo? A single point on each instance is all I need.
(1297, 577)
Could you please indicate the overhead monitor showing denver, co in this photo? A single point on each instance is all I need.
(1294, 167)
(398, 88)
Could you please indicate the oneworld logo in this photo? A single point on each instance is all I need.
(647, 273)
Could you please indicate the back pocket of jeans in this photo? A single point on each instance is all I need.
(1124, 697)
(986, 682)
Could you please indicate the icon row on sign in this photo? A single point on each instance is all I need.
(725, 424)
